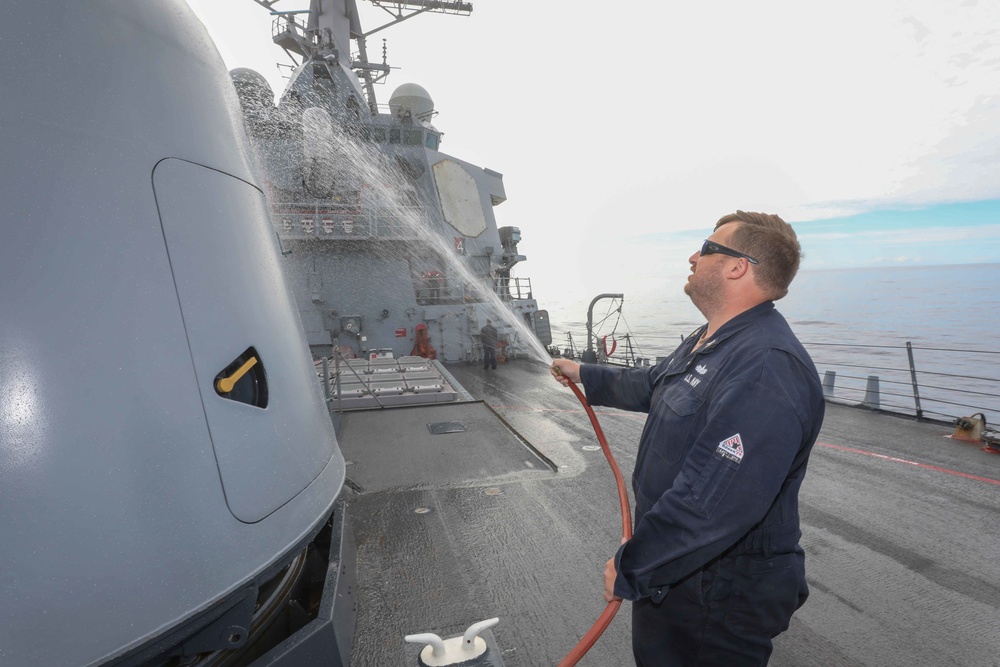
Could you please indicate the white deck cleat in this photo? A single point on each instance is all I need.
(455, 650)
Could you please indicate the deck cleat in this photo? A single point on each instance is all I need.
(469, 649)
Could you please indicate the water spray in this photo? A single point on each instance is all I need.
(373, 168)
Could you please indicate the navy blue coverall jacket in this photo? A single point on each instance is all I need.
(723, 451)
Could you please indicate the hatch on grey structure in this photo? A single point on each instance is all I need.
(260, 472)
(441, 428)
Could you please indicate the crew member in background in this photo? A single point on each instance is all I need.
(488, 337)
(714, 567)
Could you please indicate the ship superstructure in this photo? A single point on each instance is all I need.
(392, 246)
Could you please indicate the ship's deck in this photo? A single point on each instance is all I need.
(899, 527)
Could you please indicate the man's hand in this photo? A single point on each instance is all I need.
(610, 574)
(565, 371)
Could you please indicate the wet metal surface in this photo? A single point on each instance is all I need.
(396, 449)
(499, 539)
(899, 527)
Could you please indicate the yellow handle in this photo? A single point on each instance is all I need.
(225, 385)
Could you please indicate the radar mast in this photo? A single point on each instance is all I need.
(330, 25)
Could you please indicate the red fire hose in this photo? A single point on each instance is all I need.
(605, 618)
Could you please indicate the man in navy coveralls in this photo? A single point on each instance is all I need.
(714, 567)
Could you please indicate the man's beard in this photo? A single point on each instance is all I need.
(705, 290)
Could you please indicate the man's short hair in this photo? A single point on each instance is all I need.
(770, 240)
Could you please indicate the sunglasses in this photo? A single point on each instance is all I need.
(711, 248)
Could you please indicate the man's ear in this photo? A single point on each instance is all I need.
(740, 268)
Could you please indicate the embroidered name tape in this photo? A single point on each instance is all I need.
(731, 448)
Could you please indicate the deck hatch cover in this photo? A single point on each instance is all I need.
(440, 428)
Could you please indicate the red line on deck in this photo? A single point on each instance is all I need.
(926, 466)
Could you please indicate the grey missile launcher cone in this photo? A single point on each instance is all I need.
(166, 456)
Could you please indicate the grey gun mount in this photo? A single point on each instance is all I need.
(166, 456)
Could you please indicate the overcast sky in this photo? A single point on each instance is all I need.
(624, 130)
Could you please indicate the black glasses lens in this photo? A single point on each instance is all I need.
(710, 248)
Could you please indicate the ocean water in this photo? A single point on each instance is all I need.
(854, 322)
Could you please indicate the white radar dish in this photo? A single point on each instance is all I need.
(413, 97)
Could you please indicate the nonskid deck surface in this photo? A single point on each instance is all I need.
(434, 446)
(899, 527)
(478, 533)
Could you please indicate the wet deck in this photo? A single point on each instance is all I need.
(899, 526)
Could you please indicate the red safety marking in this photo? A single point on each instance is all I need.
(926, 466)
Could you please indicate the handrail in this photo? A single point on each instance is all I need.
(972, 393)
(933, 391)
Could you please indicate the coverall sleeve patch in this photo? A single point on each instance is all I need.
(731, 448)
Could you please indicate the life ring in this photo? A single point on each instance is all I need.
(614, 346)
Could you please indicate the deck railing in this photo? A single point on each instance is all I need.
(512, 288)
(927, 382)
